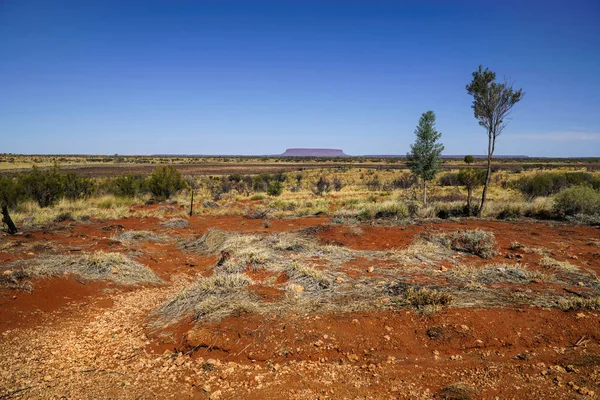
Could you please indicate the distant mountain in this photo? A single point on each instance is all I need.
(314, 153)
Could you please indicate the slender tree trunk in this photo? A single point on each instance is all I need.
(425, 193)
(192, 204)
(12, 229)
(488, 174)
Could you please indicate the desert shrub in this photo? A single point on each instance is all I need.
(419, 298)
(128, 185)
(577, 200)
(475, 241)
(45, 187)
(585, 219)
(337, 184)
(258, 197)
(387, 209)
(510, 211)
(259, 184)
(548, 183)
(404, 181)
(10, 191)
(457, 391)
(374, 184)
(322, 186)
(275, 188)
(165, 181)
(453, 210)
(77, 187)
(579, 303)
(449, 179)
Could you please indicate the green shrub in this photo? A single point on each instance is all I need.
(45, 187)
(449, 179)
(77, 187)
(127, 185)
(10, 191)
(478, 242)
(577, 200)
(548, 183)
(387, 209)
(275, 188)
(165, 181)
(257, 197)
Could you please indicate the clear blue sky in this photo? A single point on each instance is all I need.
(255, 77)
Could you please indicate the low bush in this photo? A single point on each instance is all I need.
(548, 183)
(576, 200)
(478, 242)
(275, 188)
(165, 181)
(128, 185)
(449, 179)
(387, 209)
(43, 186)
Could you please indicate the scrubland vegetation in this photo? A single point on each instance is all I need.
(349, 194)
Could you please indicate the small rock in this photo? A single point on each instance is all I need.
(339, 279)
(370, 269)
(115, 271)
(297, 288)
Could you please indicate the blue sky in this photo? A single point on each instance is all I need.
(225, 77)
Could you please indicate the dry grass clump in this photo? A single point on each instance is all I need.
(175, 223)
(15, 279)
(308, 277)
(95, 266)
(474, 241)
(457, 391)
(496, 274)
(209, 298)
(127, 236)
(579, 303)
(386, 209)
(271, 252)
(549, 262)
(422, 298)
(422, 251)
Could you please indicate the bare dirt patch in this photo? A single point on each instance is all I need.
(502, 335)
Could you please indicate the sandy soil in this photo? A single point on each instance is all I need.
(77, 339)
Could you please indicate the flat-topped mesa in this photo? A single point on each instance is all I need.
(314, 153)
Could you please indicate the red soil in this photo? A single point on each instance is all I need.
(391, 352)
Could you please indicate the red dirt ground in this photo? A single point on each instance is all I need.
(87, 338)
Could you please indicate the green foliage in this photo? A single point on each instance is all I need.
(469, 160)
(275, 188)
(577, 200)
(471, 178)
(449, 179)
(165, 181)
(45, 187)
(10, 191)
(492, 101)
(424, 157)
(77, 187)
(548, 183)
(387, 209)
(127, 185)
